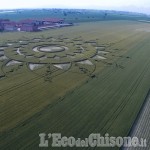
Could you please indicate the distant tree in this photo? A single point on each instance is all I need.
(65, 14)
(105, 15)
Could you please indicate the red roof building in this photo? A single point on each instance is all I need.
(41, 21)
(28, 25)
(9, 25)
(29, 28)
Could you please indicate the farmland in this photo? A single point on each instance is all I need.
(101, 90)
(72, 15)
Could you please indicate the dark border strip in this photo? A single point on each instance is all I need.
(138, 116)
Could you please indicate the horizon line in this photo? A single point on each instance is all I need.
(74, 9)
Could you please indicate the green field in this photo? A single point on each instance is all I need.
(73, 15)
(104, 97)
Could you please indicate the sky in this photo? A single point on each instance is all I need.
(125, 5)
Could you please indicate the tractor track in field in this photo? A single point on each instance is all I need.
(134, 87)
(122, 105)
(18, 86)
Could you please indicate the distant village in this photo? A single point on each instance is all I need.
(32, 25)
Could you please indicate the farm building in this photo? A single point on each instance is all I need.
(7, 25)
(35, 24)
(10, 27)
(40, 22)
(30, 21)
(29, 27)
(48, 21)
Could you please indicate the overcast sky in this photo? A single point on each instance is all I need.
(129, 5)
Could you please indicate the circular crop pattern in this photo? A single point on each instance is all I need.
(52, 54)
(50, 51)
